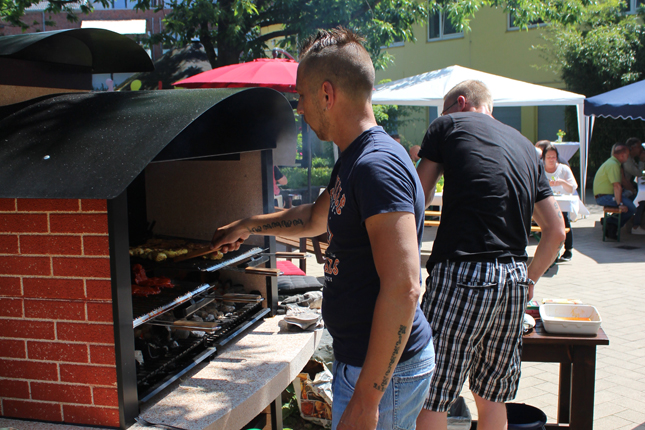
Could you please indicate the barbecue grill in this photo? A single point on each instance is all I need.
(169, 164)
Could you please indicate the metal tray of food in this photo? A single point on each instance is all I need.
(160, 252)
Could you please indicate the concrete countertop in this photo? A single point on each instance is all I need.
(238, 384)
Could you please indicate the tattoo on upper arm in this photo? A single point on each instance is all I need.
(276, 224)
(391, 365)
(557, 209)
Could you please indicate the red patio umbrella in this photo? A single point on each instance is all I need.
(276, 73)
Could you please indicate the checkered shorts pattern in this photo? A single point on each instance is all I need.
(476, 310)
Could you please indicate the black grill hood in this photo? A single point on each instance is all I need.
(93, 145)
(92, 49)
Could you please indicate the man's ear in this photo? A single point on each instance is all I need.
(462, 102)
(329, 94)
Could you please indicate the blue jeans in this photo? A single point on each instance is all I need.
(403, 397)
(609, 200)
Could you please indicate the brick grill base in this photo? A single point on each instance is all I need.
(56, 325)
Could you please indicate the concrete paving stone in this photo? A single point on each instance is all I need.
(622, 371)
(632, 415)
(530, 382)
(544, 401)
(627, 382)
(640, 352)
(634, 403)
(612, 352)
(602, 396)
(528, 371)
(549, 375)
(628, 392)
(632, 426)
(607, 409)
(609, 423)
(547, 387)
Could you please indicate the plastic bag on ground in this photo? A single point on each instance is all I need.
(313, 393)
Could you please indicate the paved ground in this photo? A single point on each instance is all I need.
(610, 276)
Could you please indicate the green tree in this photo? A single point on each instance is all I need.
(13, 11)
(231, 30)
(602, 51)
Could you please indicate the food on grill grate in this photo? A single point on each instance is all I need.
(213, 256)
(162, 249)
(140, 291)
(144, 286)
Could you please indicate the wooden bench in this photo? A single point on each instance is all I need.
(313, 245)
(534, 228)
(606, 210)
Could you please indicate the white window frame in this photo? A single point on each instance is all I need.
(394, 45)
(442, 36)
(633, 5)
(510, 27)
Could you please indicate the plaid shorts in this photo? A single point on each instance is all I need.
(476, 310)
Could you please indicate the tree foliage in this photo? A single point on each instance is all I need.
(13, 11)
(236, 30)
(604, 50)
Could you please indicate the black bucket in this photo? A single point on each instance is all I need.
(524, 417)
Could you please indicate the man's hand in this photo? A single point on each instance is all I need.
(307, 220)
(548, 216)
(358, 416)
(622, 208)
(230, 237)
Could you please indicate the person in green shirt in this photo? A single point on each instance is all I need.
(608, 191)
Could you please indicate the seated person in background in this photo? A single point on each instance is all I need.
(541, 144)
(278, 178)
(609, 192)
(633, 167)
(562, 182)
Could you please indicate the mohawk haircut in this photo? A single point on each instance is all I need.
(338, 56)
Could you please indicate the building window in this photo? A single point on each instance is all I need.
(631, 6)
(398, 41)
(532, 24)
(440, 28)
(511, 116)
(550, 120)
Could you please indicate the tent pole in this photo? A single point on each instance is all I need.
(582, 137)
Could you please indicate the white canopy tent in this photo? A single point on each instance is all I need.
(428, 89)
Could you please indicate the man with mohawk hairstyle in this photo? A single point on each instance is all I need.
(373, 212)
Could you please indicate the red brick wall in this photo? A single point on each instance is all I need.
(56, 333)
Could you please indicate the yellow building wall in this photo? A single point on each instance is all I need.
(489, 47)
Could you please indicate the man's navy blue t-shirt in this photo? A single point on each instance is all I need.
(373, 175)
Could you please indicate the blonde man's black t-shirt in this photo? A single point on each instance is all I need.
(492, 179)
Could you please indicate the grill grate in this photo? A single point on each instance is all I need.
(146, 308)
(203, 265)
(156, 374)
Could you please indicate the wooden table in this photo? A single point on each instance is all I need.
(577, 358)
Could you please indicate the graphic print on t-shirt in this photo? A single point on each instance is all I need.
(336, 205)
(337, 202)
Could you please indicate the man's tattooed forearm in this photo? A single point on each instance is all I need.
(386, 378)
(276, 224)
